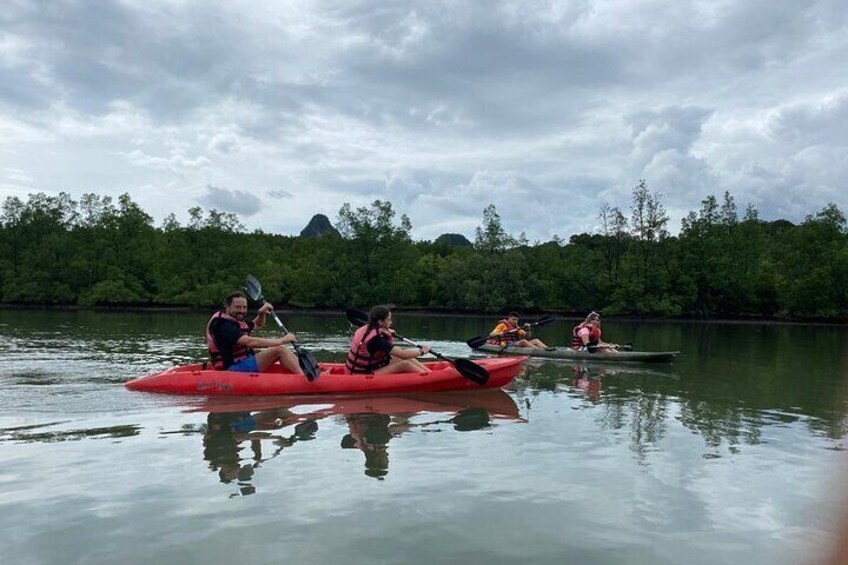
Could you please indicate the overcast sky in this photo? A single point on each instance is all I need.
(279, 110)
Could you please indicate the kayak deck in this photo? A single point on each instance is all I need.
(333, 379)
(568, 353)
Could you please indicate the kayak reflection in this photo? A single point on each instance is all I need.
(243, 433)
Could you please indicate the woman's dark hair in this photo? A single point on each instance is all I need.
(378, 314)
(513, 314)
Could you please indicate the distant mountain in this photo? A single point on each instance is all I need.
(317, 226)
(453, 240)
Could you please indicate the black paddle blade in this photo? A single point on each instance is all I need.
(308, 363)
(471, 370)
(478, 341)
(356, 317)
(253, 288)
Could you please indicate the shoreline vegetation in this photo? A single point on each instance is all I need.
(107, 255)
(423, 312)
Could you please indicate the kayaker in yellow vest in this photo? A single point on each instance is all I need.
(508, 332)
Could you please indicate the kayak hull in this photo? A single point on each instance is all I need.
(333, 379)
(568, 353)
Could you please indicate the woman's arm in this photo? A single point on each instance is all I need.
(410, 353)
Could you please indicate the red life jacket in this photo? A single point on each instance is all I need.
(224, 359)
(507, 337)
(594, 336)
(359, 359)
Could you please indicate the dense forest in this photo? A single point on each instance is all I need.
(95, 251)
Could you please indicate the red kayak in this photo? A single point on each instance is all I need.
(333, 379)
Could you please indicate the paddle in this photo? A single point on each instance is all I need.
(622, 347)
(305, 359)
(476, 342)
(467, 368)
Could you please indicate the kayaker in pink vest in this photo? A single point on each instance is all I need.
(587, 337)
(372, 349)
(232, 347)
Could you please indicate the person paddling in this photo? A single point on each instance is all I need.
(508, 332)
(586, 336)
(372, 349)
(232, 347)
(580, 340)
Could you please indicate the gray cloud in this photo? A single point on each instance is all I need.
(280, 194)
(237, 201)
(547, 109)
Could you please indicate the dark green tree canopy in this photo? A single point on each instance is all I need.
(101, 251)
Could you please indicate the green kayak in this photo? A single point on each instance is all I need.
(568, 353)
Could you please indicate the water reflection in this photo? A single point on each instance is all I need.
(27, 434)
(587, 381)
(239, 433)
(370, 432)
(225, 432)
(725, 409)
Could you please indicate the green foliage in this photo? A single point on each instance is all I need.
(97, 251)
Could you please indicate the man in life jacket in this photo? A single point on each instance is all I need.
(232, 347)
(507, 332)
(372, 348)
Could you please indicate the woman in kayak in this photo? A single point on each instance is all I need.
(587, 336)
(372, 348)
(508, 332)
(577, 338)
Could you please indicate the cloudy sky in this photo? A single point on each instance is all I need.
(279, 110)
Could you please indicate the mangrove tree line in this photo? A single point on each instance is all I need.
(98, 251)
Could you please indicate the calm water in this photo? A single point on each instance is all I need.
(733, 454)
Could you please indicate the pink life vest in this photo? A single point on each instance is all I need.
(359, 359)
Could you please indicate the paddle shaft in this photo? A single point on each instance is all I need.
(437, 355)
(279, 322)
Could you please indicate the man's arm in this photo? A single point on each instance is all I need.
(259, 320)
(260, 342)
